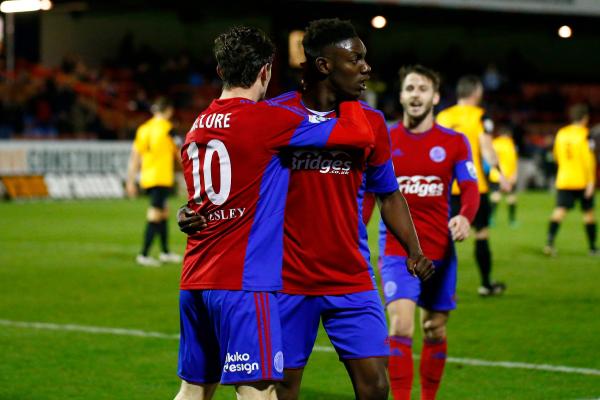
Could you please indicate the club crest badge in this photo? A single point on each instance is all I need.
(437, 154)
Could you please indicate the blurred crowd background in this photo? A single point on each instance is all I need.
(90, 70)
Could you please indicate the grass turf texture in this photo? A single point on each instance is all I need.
(72, 263)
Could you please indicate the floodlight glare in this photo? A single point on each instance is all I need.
(378, 22)
(14, 6)
(565, 32)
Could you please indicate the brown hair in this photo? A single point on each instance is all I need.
(430, 74)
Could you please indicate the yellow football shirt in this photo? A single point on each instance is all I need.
(157, 149)
(572, 153)
(507, 158)
(469, 121)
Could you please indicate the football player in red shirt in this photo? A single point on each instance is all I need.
(229, 313)
(427, 158)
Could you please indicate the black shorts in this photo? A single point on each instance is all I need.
(158, 196)
(567, 198)
(482, 218)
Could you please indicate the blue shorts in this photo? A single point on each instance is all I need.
(436, 294)
(355, 324)
(229, 336)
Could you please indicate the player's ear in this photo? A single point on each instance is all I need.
(323, 65)
(265, 73)
(220, 72)
(436, 98)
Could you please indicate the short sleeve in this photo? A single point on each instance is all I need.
(140, 143)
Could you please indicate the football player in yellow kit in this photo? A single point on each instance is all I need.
(576, 177)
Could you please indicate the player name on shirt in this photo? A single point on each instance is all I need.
(212, 121)
(422, 186)
(326, 162)
(221, 215)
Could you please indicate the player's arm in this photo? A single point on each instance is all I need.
(514, 159)
(590, 168)
(466, 176)
(176, 144)
(489, 155)
(133, 168)
(139, 146)
(350, 130)
(396, 217)
(487, 150)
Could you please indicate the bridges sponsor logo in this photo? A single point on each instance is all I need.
(422, 186)
(239, 362)
(326, 162)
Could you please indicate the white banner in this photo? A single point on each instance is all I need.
(63, 157)
(69, 169)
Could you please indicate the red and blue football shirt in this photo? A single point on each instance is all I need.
(325, 242)
(237, 181)
(426, 165)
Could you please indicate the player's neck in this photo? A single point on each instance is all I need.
(318, 98)
(418, 125)
(467, 102)
(252, 93)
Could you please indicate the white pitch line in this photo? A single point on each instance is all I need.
(86, 329)
(325, 349)
(522, 365)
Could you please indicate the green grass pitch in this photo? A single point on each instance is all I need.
(71, 262)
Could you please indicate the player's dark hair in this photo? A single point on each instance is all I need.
(240, 53)
(160, 105)
(325, 32)
(428, 73)
(578, 111)
(467, 85)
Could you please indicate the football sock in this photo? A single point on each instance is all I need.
(512, 213)
(590, 230)
(493, 207)
(151, 229)
(552, 231)
(433, 359)
(484, 261)
(401, 367)
(163, 233)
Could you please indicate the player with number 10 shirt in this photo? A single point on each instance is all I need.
(229, 316)
(236, 179)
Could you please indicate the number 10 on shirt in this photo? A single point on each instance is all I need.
(212, 147)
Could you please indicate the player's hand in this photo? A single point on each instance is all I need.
(189, 221)
(420, 266)
(459, 227)
(131, 189)
(505, 184)
(589, 191)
